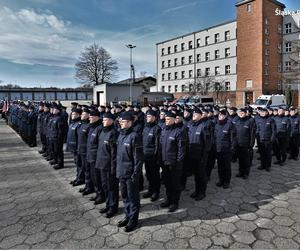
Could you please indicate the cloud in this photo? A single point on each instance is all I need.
(181, 7)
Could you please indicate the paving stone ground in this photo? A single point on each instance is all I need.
(39, 209)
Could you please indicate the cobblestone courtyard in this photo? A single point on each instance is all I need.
(39, 209)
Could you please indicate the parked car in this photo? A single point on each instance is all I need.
(203, 100)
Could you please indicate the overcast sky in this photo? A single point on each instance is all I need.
(41, 39)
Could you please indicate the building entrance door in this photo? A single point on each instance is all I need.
(248, 98)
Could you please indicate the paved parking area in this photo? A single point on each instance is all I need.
(39, 209)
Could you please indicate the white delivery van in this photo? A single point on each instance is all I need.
(264, 101)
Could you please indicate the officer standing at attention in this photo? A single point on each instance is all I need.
(32, 126)
(94, 177)
(106, 163)
(172, 153)
(295, 134)
(266, 130)
(72, 144)
(56, 137)
(129, 167)
(245, 142)
(225, 138)
(151, 136)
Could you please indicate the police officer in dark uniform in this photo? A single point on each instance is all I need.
(233, 117)
(56, 137)
(72, 145)
(266, 131)
(106, 163)
(172, 153)
(294, 134)
(93, 178)
(225, 139)
(282, 124)
(245, 142)
(151, 137)
(32, 126)
(129, 167)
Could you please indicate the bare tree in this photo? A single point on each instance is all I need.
(201, 85)
(95, 66)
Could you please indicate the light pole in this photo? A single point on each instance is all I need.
(130, 46)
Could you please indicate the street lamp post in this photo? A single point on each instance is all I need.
(130, 46)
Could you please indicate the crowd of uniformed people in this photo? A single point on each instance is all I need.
(111, 145)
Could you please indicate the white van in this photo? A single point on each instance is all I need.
(204, 100)
(265, 101)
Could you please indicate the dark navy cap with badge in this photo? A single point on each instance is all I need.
(170, 114)
(128, 116)
(109, 115)
(151, 112)
(94, 112)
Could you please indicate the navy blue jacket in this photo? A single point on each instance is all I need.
(92, 141)
(245, 132)
(72, 136)
(173, 146)
(282, 125)
(151, 136)
(197, 140)
(129, 154)
(295, 125)
(107, 149)
(225, 136)
(82, 133)
(266, 129)
(56, 128)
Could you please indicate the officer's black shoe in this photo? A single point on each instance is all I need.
(147, 195)
(130, 227)
(200, 197)
(48, 159)
(277, 162)
(239, 175)
(123, 222)
(141, 188)
(93, 198)
(81, 190)
(166, 203)
(268, 169)
(72, 182)
(87, 192)
(78, 183)
(295, 158)
(245, 177)
(155, 197)
(226, 185)
(58, 167)
(173, 208)
(41, 152)
(45, 154)
(99, 200)
(53, 162)
(281, 164)
(260, 168)
(219, 184)
(193, 195)
(103, 210)
(110, 214)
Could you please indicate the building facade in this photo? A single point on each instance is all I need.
(246, 57)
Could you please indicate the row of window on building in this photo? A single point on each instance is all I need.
(198, 43)
(198, 58)
(187, 88)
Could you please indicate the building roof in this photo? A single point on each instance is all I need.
(46, 89)
(137, 80)
(247, 1)
(191, 33)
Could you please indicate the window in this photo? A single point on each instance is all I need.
(267, 41)
(182, 60)
(169, 63)
(175, 48)
(207, 56)
(190, 44)
(279, 84)
(266, 61)
(163, 77)
(249, 83)
(267, 52)
(279, 67)
(227, 35)
(217, 38)
(169, 88)
(227, 69)
(182, 46)
(175, 62)
(266, 21)
(169, 50)
(175, 75)
(217, 54)
(207, 71)
(182, 74)
(279, 48)
(266, 71)
(198, 57)
(190, 73)
(288, 47)
(198, 42)
(288, 66)
(227, 86)
(249, 8)
(190, 59)
(163, 64)
(169, 76)
(288, 28)
(162, 52)
(217, 70)
(198, 72)
(175, 88)
(279, 28)
(227, 52)
(267, 31)
(163, 88)
(206, 40)
(182, 88)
